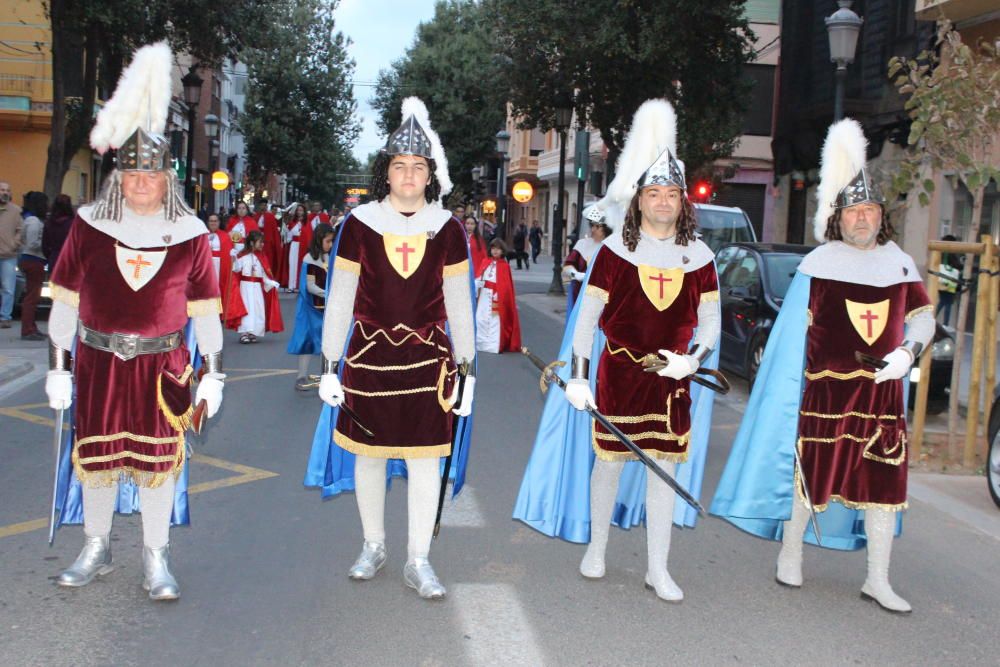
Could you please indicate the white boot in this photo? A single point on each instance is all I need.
(789, 572)
(659, 524)
(880, 527)
(603, 489)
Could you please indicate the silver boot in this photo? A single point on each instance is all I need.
(372, 558)
(94, 560)
(419, 575)
(157, 578)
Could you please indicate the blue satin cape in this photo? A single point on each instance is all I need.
(332, 469)
(307, 336)
(757, 486)
(554, 498)
(69, 494)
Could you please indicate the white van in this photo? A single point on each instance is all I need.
(719, 225)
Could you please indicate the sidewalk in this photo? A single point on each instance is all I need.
(965, 498)
(21, 362)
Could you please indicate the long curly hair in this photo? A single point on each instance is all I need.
(379, 186)
(885, 231)
(687, 223)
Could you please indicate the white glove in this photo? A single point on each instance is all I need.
(579, 395)
(678, 367)
(899, 362)
(210, 391)
(573, 274)
(330, 390)
(465, 409)
(59, 389)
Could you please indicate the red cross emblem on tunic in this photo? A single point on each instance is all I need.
(138, 267)
(404, 252)
(661, 286)
(138, 262)
(868, 319)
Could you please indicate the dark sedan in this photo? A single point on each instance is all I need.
(753, 279)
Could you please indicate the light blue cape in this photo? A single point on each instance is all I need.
(555, 492)
(307, 336)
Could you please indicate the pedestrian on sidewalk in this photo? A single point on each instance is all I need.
(57, 226)
(952, 264)
(11, 237)
(307, 335)
(31, 262)
(858, 292)
(498, 328)
(535, 239)
(520, 239)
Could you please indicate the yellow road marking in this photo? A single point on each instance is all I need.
(26, 527)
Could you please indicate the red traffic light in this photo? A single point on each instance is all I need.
(702, 191)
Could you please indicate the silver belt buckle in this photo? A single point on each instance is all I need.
(124, 346)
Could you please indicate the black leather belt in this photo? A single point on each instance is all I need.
(128, 346)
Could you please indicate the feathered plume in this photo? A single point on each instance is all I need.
(654, 127)
(842, 158)
(141, 99)
(414, 106)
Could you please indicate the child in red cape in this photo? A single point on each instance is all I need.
(498, 328)
(253, 306)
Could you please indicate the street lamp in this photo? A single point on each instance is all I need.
(192, 95)
(503, 143)
(843, 27)
(563, 117)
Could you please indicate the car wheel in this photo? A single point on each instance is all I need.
(993, 457)
(754, 358)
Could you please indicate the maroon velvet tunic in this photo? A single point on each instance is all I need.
(399, 371)
(852, 432)
(654, 411)
(319, 275)
(131, 415)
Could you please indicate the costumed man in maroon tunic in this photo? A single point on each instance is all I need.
(135, 267)
(401, 272)
(865, 295)
(578, 259)
(649, 288)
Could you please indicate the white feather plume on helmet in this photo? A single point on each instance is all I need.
(141, 99)
(654, 129)
(414, 107)
(842, 159)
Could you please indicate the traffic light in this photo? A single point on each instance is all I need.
(702, 192)
(581, 156)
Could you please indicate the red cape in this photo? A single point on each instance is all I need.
(272, 237)
(249, 224)
(477, 248)
(236, 310)
(510, 324)
(307, 233)
(225, 265)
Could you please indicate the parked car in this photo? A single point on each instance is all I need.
(44, 305)
(753, 280)
(719, 225)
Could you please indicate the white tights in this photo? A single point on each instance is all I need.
(156, 505)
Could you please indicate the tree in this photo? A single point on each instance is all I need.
(452, 68)
(605, 58)
(91, 42)
(299, 117)
(953, 101)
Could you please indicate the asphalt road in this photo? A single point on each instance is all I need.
(263, 567)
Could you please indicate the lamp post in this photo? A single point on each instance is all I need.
(477, 174)
(843, 27)
(564, 116)
(192, 95)
(212, 131)
(503, 143)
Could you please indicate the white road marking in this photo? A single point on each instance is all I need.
(462, 512)
(495, 626)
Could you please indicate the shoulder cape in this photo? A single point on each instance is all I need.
(331, 468)
(756, 489)
(555, 492)
(307, 334)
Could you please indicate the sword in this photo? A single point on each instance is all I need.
(809, 502)
(463, 373)
(654, 362)
(357, 421)
(549, 375)
(863, 358)
(55, 482)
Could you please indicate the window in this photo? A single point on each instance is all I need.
(757, 121)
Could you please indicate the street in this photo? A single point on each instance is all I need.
(262, 568)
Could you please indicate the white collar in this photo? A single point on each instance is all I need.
(382, 217)
(146, 231)
(880, 266)
(662, 253)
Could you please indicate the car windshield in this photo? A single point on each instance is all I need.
(718, 228)
(780, 271)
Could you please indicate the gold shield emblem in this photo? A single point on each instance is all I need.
(660, 285)
(869, 319)
(138, 267)
(404, 252)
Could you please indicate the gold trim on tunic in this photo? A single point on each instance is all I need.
(918, 311)
(144, 478)
(181, 422)
(343, 264)
(844, 415)
(204, 307)
(710, 297)
(459, 269)
(390, 452)
(597, 292)
(849, 504)
(63, 295)
(396, 392)
(836, 375)
(898, 460)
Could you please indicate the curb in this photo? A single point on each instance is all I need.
(11, 372)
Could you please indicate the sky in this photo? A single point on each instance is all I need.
(381, 31)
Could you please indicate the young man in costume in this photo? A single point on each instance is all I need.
(653, 292)
(135, 267)
(857, 292)
(401, 273)
(498, 328)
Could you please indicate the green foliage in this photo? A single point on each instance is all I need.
(451, 67)
(953, 100)
(606, 57)
(299, 117)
